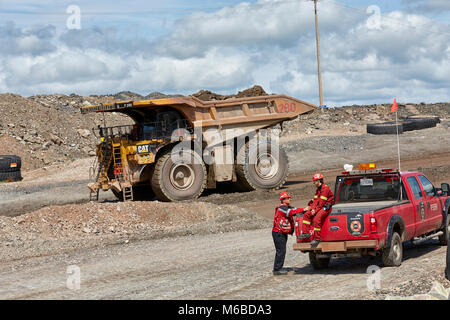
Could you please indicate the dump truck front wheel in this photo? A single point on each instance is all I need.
(261, 165)
(179, 175)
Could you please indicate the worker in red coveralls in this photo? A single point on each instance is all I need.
(282, 226)
(314, 218)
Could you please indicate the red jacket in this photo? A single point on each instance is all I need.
(323, 197)
(282, 221)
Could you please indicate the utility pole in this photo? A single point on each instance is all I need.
(318, 54)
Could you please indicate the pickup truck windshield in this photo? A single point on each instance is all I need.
(367, 188)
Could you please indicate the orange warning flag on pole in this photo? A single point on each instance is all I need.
(394, 106)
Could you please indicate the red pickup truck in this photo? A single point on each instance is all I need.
(375, 211)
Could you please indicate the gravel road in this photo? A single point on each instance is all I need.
(229, 265)
(234, 265)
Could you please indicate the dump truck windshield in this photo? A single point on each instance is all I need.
(368, 188)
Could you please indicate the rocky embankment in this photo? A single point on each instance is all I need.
(49, 129)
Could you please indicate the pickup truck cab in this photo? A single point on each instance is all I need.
(375, 211)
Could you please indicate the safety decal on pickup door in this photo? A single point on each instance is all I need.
(422, 211)
(355, 223)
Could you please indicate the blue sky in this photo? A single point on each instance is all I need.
(183, 46)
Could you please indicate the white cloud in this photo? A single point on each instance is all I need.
(271, 43)
(435, 6)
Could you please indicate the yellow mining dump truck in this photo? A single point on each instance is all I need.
(180, 146)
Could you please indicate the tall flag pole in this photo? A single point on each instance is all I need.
(394, 109)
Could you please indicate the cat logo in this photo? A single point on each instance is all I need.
(144, 148)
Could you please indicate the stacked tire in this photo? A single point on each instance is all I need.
(10, 166)
(409, 124)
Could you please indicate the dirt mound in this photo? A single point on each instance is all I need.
(49, 129)
(207, 95)
(133, 220)
(353, 119)
(255, 91)
(418, 286)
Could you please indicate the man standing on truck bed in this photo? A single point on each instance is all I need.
(320, 207)
(282, 226)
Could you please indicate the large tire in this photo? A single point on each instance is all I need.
(6, 162)
(420, 123)
(179, 180)
(443, 240)
(435, 119)
(392, 255)
(318, 263)
(10, 176)
(385, 128)
(409, 125)
(260, 167)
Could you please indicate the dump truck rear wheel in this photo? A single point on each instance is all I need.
(179, 177)
(259, 166)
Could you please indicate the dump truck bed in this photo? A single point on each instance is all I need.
(264, 110)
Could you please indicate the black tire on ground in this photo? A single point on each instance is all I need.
(7, 160)
(318, 263)
(392, 255)
(443, 240)
(421, 123)
(10, 176)
(436, 119)
(408, 125)
(384, 128)
(179, 177)
(260, 166)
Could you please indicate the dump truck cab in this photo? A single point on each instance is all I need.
(177, 147)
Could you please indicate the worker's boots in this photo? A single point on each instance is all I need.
(280, 272)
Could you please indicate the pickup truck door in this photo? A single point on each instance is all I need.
(434, 217)
(418, 201)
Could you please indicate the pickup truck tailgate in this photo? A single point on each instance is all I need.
(348, 221)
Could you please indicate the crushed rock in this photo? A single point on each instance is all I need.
(430, 286)
(66, 227)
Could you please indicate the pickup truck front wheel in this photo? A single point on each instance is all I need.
(392, 256)
(318, 263)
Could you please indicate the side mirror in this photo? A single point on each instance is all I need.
(439, 192)
(445, 187)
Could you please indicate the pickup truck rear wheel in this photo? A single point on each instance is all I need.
(443, 240)
(318, 263)
(178, 176)
(392, 256)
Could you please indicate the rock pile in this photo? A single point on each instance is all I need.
(49, 129)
